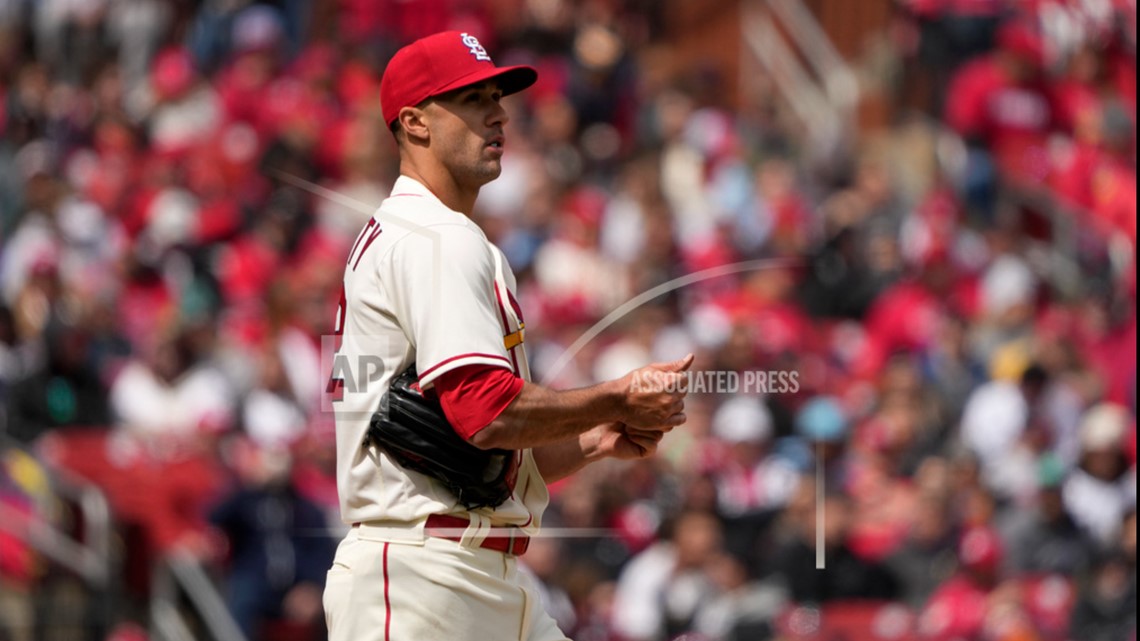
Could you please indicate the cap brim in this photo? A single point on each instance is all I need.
(511, 79)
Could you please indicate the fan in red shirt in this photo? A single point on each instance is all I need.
(957, 610)
(1001, 105)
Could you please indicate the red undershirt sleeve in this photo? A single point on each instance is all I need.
(474, 395)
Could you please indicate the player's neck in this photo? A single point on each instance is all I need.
(444, 187)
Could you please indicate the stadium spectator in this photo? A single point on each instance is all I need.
(849, 577)
(665, 587)
(1044, 538)
(960, 606)
(1104, 609)
(926, 559)
(749, 477)
(1100, 491)
(1001, 104)
(278, 550)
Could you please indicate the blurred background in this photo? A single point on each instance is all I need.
(952, 183)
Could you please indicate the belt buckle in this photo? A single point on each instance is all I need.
(511, 540)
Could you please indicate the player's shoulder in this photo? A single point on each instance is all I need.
(412, 207)
(432, 223)
(417, 225)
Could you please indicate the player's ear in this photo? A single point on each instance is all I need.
(412, 120)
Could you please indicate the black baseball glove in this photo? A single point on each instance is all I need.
(414, 431)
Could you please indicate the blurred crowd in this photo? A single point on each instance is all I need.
(955, 292)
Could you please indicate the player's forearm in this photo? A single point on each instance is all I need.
(617, 440)
(556, 461)
(650, 398)
(541, 416)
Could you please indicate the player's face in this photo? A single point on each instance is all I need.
(467, 133)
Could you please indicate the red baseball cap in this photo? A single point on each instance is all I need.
(440, 63)
(1023, 40)
(980, 548)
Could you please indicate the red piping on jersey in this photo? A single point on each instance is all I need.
(453, 358)
(515, 306)
(506, 326)
(387, 603)
(407, 194)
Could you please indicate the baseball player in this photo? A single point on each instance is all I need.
(424, 287)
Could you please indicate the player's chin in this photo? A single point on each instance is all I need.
(489, 170)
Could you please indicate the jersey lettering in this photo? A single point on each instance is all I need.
(368, 234)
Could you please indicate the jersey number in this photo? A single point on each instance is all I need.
(335, 387)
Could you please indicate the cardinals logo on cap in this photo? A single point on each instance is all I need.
(477, 50)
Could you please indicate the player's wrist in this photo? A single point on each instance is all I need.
(591, 446)
(612, 400)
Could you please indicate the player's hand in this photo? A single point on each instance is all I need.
(645, 440)
(655, 395)
(620, 441)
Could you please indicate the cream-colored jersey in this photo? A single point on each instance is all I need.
(422, 284)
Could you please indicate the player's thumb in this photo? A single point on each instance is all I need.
(679, 365)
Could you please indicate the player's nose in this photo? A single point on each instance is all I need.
(498, 116)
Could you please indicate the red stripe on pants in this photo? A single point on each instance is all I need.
(387, 603)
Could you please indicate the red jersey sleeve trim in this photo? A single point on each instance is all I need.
(474, 395)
